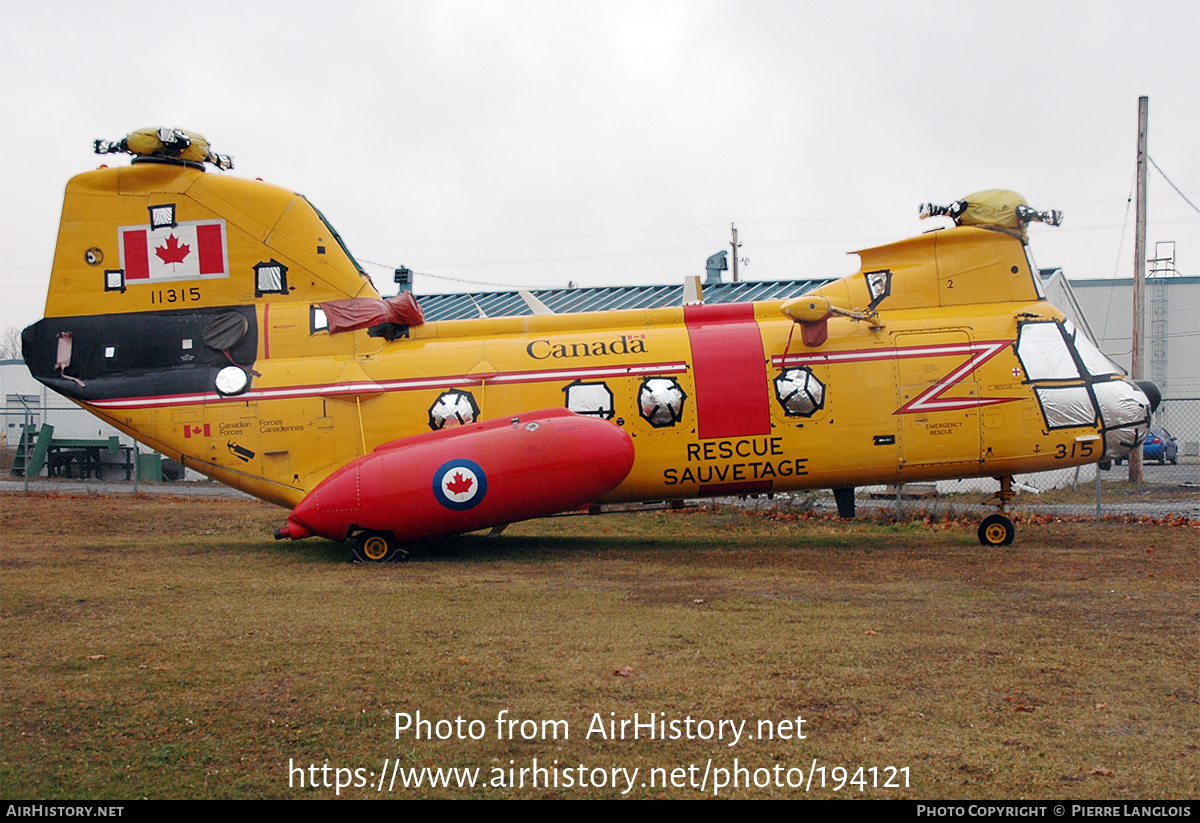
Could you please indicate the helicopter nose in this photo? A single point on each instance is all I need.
(1152, 392)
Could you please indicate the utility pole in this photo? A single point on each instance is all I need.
(1139, 271)
(735, 246)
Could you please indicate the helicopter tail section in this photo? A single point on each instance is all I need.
(165, 275)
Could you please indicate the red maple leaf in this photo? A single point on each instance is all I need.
(173, 251)
(460, 484)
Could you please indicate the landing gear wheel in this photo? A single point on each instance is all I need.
(378, 547)
(996, 530)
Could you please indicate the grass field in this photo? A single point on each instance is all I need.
(168, 648)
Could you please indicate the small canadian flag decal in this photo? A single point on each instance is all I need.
(196, 431)
(192, 250)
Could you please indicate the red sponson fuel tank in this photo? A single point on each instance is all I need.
(469, 477)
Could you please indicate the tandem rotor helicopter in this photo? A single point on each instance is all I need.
(224, 323)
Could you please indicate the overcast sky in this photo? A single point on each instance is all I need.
(536, 143)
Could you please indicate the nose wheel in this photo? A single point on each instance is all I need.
(997, 529)
(378, 547)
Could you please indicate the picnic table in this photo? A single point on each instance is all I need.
(63, 456)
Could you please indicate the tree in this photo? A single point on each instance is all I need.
(10, 344)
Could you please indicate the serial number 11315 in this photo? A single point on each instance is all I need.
(190, 295)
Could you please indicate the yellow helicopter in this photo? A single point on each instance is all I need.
(223, 322)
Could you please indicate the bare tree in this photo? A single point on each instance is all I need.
(10, 344)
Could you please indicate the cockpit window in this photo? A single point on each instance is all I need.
(1094, 360)
(1076, 384)
(1066, 406)
(1118, 406)
(1043, 352)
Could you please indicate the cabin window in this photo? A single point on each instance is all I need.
(162, 217)
(879, 284)
(592, 399)
(317, 320)
(114, 280)
(270, 278)
(660, 401)
(110, 352)
(232, 380)
(799, 392)
(453, 408)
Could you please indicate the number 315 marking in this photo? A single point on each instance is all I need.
(1084, 449)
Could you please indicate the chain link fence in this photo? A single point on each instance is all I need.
(86, 454)
(61, 447)
(1170, 485)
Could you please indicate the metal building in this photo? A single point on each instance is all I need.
(1172, 342)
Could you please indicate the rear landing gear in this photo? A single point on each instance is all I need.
(378, 547)
(845, 502)
(997, 529)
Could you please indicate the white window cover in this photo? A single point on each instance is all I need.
(453, 408)
(661, 401)
(593, 399)
(270, 279)
(1094, 360)
(1044, 353)
(1065, 407)
(1121, 404)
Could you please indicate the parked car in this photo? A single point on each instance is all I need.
(1160, 445)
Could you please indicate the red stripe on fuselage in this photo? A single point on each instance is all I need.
(730, 371)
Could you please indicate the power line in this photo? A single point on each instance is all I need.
(454, 279)
(1124, 225)
(1172, 185)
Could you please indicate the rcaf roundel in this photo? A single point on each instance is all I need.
(459, 484)
(191, 250)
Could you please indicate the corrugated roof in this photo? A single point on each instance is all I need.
(464, 306)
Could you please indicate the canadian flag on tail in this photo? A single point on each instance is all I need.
(192, 250)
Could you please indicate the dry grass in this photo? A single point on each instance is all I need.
(170, 648)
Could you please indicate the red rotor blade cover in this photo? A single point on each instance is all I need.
(469, 477)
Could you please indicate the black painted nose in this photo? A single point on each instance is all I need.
(1151, 391)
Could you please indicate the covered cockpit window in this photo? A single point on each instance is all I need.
(1094, 360)
(1067, 406)
(1121, 404)
(1043, 352)
(1076, 385)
